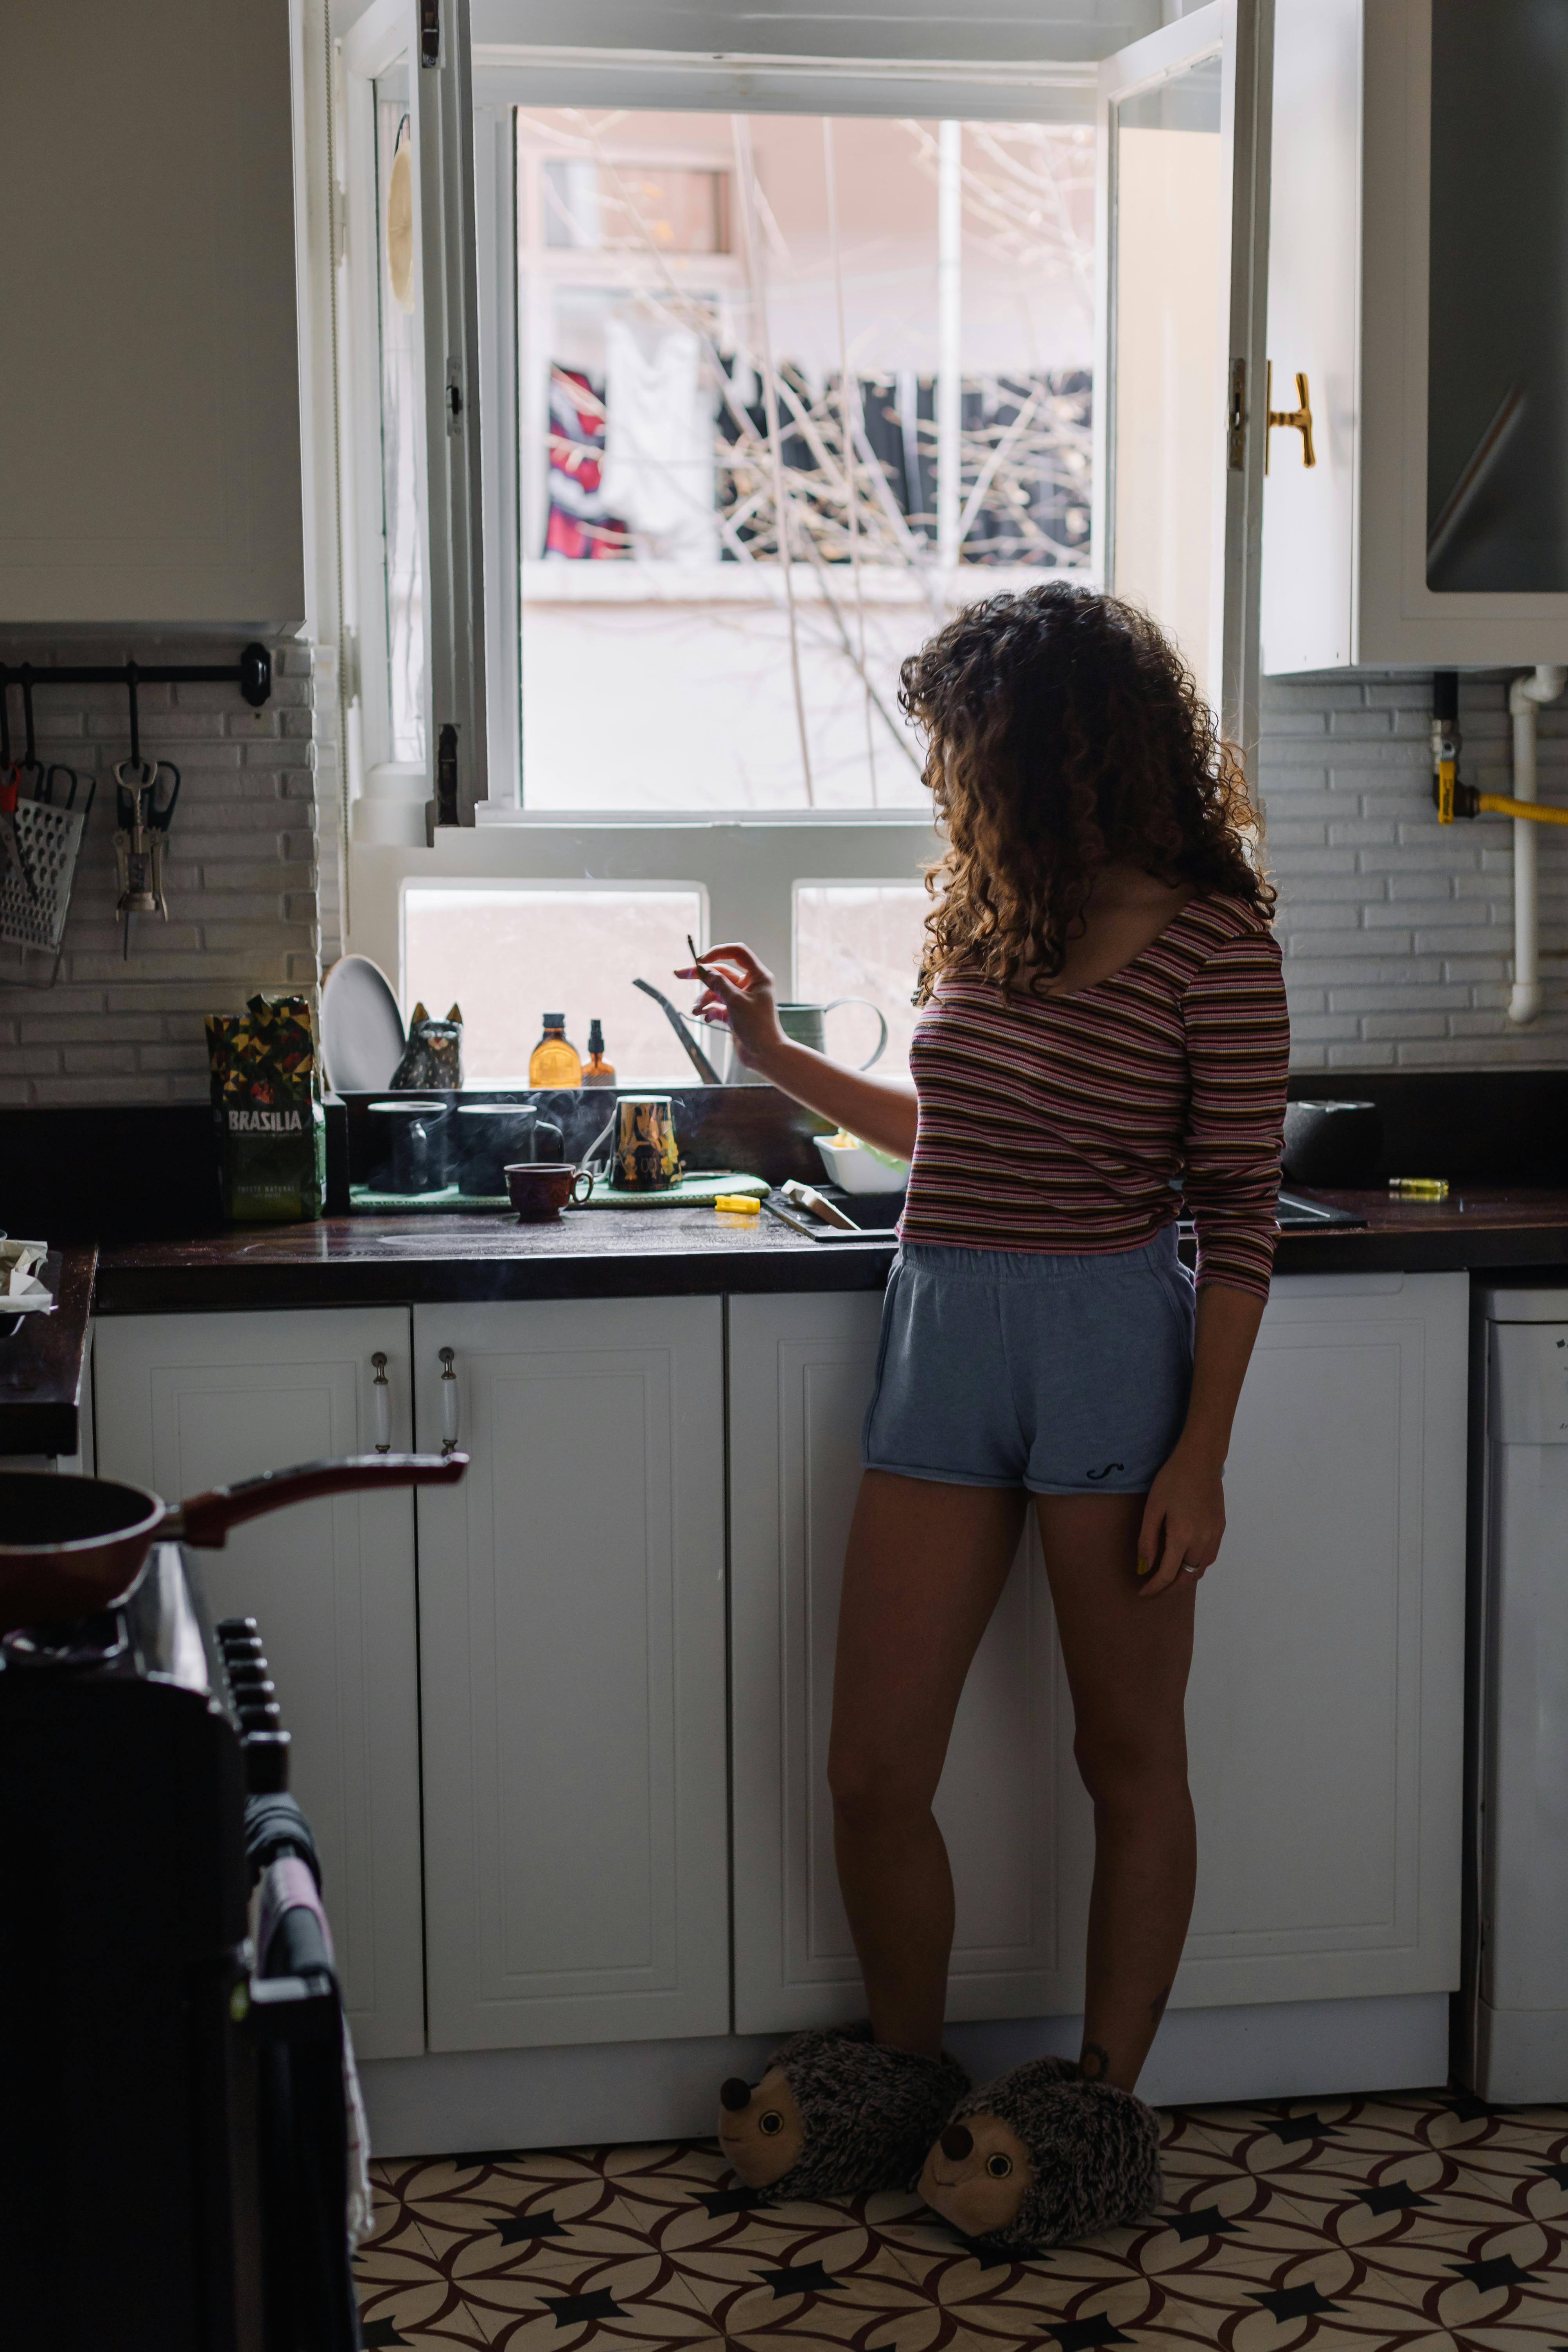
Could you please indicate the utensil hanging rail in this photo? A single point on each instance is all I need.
(252, 673)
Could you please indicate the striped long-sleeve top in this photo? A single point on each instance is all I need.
(1080, 1122)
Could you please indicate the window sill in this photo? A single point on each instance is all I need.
(615, 582)
(491, 814)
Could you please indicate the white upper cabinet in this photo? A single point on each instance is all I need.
(149, 400)
(1417, 278)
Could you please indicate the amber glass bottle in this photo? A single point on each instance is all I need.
(596, 1071)
(554, 1061)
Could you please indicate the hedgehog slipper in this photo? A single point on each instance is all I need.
(1040, 2158)
(835, 2115)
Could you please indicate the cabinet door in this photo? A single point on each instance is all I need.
(187, 1401)
(1011, 1806)
(572, 1643)
(1323, 1715)
(161, 479)
(1325, 1708)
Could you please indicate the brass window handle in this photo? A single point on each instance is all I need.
(1299, 419)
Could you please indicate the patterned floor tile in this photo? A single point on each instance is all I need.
(1329, 2324)
(1508, 2283)
(1423, 2198)
(1414, 2222)
(824, 2271)
(1303, 2136)
(426, 2311)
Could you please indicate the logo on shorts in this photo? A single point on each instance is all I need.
(1109, 1466)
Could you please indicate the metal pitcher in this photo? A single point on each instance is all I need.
(806, 1024)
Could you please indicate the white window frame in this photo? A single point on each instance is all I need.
(746, 862)
(447, 446)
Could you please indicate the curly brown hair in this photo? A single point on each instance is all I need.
(1063, 733)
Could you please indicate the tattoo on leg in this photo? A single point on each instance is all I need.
(1157, 2006)
(1095, 2062)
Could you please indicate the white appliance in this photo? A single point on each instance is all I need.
(1515, 2012)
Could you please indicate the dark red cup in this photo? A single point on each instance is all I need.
(540, 1189)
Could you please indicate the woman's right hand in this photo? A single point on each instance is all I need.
(738, 995)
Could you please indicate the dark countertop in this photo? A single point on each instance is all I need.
(43, 1365)
(651, 1253)
(590, 1254)
(630, 1253)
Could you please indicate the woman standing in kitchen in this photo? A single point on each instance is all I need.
(1104, 1035)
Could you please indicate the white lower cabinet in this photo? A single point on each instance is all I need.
(571, 1640)
(556, 1700)
(188, 1401)
(1324, 1714)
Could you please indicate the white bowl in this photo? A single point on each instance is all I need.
(859, 1170)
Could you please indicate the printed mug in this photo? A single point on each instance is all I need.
(647, 1157)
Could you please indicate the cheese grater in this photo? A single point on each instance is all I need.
(49, 839)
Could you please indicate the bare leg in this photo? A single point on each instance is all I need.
(1127, 1663)
(925, 1565)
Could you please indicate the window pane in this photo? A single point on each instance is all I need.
(1168, 441)
(397, 281)
(863, 345)
(509, 955)
(591, 208)
(861, 939)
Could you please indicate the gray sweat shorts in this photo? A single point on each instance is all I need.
(1019, 1368)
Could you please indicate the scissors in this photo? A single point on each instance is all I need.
(9, 778)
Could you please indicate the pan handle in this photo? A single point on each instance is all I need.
(205, 1519)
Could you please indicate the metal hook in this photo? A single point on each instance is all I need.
(30, 758)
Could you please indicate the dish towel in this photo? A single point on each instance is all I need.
(288, 1884)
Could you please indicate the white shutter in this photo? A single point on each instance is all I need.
(1182, 127)
(443, 115)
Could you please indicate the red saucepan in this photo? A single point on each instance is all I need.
(70, 1546)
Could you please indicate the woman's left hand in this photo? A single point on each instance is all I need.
(1183, 1520)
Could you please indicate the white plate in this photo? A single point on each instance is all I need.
(361, 1028)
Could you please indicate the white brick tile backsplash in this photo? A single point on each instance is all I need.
(241, 879)
(1413, 944)
(1397, 938)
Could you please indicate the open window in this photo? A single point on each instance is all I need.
(1183, 137)
(776, 366)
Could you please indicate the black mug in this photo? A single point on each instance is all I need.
(1333, 1143)
(407, 1146)
(493, 1136)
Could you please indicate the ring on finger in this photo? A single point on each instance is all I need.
(1191, 1568)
